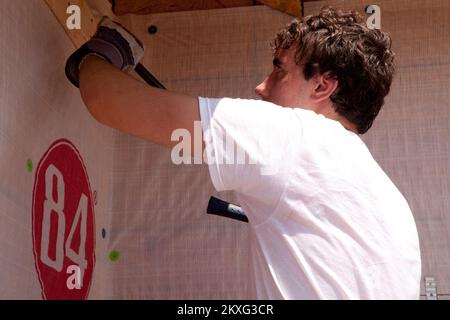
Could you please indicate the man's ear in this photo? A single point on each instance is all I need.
(325, 85)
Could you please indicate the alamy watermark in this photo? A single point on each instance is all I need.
(230, 150)
(74, 20)
(374, 20)
(74, 281)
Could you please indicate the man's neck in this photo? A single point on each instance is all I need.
(330, 113)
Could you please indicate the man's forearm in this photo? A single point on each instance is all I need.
(118, 100)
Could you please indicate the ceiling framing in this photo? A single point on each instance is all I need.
(92, 10)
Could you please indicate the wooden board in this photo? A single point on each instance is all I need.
(121, 7)
(148, 6)
(291, 7)
(88, 20)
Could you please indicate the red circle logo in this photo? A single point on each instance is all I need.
(63, 224)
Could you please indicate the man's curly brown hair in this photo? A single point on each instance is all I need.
(358, 57)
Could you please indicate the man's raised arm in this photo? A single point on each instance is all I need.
(118, 100)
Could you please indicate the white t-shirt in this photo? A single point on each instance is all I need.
(325, 220)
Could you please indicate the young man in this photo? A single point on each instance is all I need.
(325, 220)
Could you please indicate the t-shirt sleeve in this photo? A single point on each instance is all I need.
(247, 142)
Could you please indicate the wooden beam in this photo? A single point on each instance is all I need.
(88, 20)
(291, 7)
(122, 7)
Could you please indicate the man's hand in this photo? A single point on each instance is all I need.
(112, 42)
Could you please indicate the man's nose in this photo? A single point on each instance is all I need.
(261, 89)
